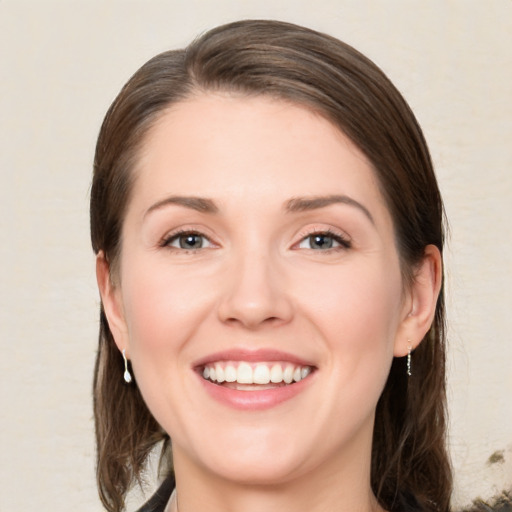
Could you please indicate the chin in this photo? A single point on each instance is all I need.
(264, 470)
(248, 456)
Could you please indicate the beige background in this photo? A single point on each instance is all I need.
(61, 65)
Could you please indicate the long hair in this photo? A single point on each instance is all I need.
(410, 465)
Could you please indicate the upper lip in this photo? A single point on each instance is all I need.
(251, 355)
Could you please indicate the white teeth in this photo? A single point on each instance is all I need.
(288, 374)
(276, 374)
(255, 373)
(244, 374)
(230, 373)
(219, 371)
(261, 374)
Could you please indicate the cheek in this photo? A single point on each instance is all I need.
(357, 309)
(162, 310)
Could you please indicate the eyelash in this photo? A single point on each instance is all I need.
(167, 240)
(344, 242)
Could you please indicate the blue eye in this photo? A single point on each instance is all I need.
(188, 241)
(323, 242)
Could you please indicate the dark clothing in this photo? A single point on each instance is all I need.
(159, 500)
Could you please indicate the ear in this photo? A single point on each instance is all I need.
(420, 303)
(112, 303)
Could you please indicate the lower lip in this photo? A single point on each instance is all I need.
(257, 399)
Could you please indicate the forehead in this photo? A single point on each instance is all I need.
(251, 149)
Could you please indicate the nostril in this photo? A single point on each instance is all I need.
(255, 322)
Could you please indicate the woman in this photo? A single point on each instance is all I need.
(268, 231)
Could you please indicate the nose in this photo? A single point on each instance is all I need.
(255, 293)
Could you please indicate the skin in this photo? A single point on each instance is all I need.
(259, 283)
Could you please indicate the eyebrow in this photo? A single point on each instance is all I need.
(302, 204)
(296, 204)
(199, 204)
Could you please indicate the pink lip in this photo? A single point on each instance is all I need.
(252, 400)
(260, 355)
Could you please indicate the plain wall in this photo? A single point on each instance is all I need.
(61, 64)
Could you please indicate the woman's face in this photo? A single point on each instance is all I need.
(257, 249)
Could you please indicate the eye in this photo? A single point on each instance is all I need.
(187, 240)
(323, 241)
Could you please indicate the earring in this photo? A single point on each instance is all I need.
(409, 350)
(127, 375)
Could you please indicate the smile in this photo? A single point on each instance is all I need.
(243, 375)
(252, 380)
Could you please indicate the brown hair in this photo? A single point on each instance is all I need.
(410, 466)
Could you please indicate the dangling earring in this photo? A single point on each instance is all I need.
(127, 375)
(409, 350)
